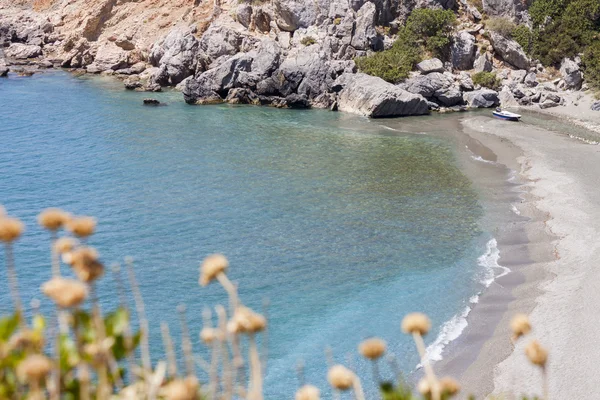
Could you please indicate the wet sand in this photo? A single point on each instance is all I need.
(552, 251)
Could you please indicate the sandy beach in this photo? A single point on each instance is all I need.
(552, 252)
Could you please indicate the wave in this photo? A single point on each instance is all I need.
(479, 158)
(454, 327)
(515, 209)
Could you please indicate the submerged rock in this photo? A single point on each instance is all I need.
(151, 102)
(373, 97)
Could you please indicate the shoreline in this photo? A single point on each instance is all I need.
(546, 256)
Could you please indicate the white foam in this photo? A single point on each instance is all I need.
(454, 327)
(515, 209)
(481, 159)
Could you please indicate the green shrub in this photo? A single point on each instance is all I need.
(426, 31)
(563, 28)
(591, 65)
(308, 40)
(486, 79)
(524, 36)
(501, 25)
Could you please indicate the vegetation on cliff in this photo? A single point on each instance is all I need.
(426, 32)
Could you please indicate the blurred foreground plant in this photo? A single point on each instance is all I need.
(85, 353)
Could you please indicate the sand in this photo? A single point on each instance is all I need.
(553, 252)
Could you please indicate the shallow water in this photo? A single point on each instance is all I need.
(344, 225)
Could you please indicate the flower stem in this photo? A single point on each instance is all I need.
(435, 388)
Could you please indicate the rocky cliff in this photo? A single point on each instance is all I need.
(285, 53)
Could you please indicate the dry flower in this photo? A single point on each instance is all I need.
(181, 389)
(53, 219)
(416, 323)
(424, 387)
(10, 229)
(340, 377)
(64, 245)
(449, 386)
(520, 326)
(208, 335)
(26, 339)
(85, 264)
(211, 267)
(82, 226)
(34, 368)
(245, 320)
(372, 348)
(308, 392)
(536, 353)
(65, 292)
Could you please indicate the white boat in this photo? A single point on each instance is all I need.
(506, 115)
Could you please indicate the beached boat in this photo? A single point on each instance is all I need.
(506, 115)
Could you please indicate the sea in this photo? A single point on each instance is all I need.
(335, 226)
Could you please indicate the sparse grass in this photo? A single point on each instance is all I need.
(308, 41)
(501, 25)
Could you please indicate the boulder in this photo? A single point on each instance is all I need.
(463, 50)
(430, 65)
(125, 42)
(175, 56)
(20, 51)
(427, 85)
(518, 76)
(550, 96)
(243, 14)
(465, 82)
(571, 74)
(483, 63)
(297, 101)
(449, 97)
(151, 102)
(509, 50)
(218, 40)
(241, 96)
(482, 98)
(3, 71)
(108, 57)
(595, 106)
(531, 80)
(262, 20)
(507, 99)
(548, 104)
(293, 14)
(364, 33)
(373, 97)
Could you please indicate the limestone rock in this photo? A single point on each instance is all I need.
(548, 104)
(373, 97)
(507, 99)
(483, 64)
(243, 14)
(463, 50)
(109, 57)
(427, 85)
(571, 74)
(218, 41)
(364, 33)
(430, 65)
(22, 51)
(531, 80)
(482, 98)
(175, 56)
(509, 50)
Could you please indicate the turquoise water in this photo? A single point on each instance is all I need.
(342, 225)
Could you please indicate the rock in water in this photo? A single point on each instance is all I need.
(571, 74)
(463, 50)
(373, 97)
(510, 51)
(431, 65)
(482, 98)
(151, 102)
